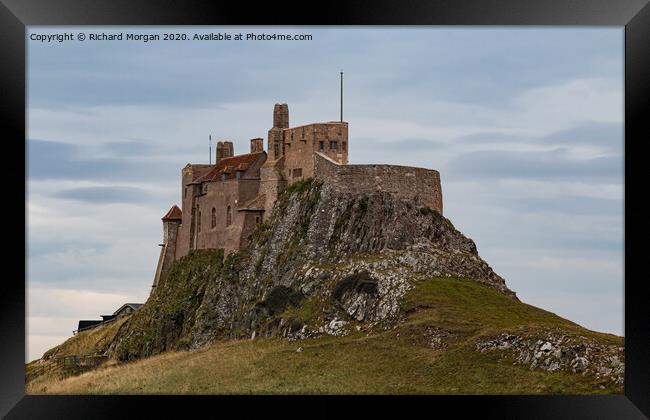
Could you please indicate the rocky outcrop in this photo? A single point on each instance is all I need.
(558, 350)
(325, 261)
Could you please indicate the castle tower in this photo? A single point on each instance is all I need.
(280, 121)
(270, 173)
(281, 116)
(224, 149)
(171, 223)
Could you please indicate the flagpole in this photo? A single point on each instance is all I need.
(210, 137)
(341, 96)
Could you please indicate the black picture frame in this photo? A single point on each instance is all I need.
(634, 15)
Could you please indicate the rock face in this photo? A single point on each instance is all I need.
(554, 350)
(324, 262)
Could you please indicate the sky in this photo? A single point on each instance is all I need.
(525, 126)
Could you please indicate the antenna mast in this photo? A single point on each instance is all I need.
(341, 96)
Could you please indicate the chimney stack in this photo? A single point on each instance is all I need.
(225, 149)
(281, 116)
(257, 145)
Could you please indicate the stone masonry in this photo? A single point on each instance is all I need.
(221, 204)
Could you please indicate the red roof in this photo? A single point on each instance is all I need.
(173, 214)
(229, 166)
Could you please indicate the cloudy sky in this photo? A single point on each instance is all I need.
(524, 125)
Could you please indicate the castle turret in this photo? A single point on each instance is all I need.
(224, 149)
(171, 222)
(280, 122)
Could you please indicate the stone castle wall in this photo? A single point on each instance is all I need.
(185, 233)
(167, 252)
(421, 186)
(300, 143)
(317, 150)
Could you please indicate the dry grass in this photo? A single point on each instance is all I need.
(91, 341)
(392, 361)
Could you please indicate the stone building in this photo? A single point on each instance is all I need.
(221, 204)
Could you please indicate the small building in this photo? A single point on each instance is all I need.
(126, 309)
(85, 324)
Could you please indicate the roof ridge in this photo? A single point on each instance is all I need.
(174, 213)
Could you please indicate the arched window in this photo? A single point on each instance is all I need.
(214, 217)
(228, 216)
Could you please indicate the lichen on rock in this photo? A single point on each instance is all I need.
(352, 257)
(557, 350)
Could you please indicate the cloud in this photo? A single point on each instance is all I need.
(578, 100)
(56, 160)
(564, 204)
(54, 312)
(69, 303)
(551, 165)
(130, 148)
(606, 135)
(103, 195)
(37, 344)
(524, 125)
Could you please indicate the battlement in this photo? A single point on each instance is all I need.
(419, 185)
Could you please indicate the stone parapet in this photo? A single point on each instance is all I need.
(421, 186)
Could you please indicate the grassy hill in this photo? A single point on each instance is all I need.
(444, 343)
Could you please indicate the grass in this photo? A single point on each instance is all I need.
(92, 341)
(454, 303)
(383, 361)
(307, 313)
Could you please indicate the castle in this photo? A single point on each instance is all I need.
(222, 203)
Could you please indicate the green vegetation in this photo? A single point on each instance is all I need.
(307, 313)
(458, 303)
(360, 282)
(93, 341)
(298, 187)
(397, 360)
(426, 211)
(280, 298)
(172, 307)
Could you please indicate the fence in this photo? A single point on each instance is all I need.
(68, 365)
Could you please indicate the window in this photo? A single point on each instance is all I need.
(214, 218)
(185, 193)
(297, 173)
(228, 216)
(291, 135)
(321, 145)
(343, 146)
(257, 220)
(224, 176)
(198, 223)
(303, 132)
(333, 145)
(238, 174)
